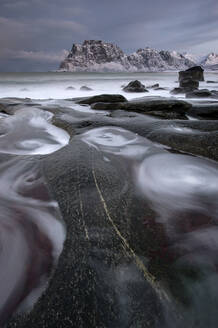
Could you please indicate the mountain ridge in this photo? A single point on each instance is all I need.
(100, 56)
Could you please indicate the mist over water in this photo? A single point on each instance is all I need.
(54, 85)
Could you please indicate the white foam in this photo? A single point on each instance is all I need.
(172, 182)
(29, 132)
(117, 141)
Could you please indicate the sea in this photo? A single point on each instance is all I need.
(56, 85)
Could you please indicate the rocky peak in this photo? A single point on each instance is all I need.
(96, 55)
(211, 59)
(98, 51)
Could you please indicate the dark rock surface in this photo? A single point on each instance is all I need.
(107, 98)
(118, 267)
(195, 73)
(205, 111)
(189, 83)
(160, 107)
(70, 88)
(135, 86)
(179, 90)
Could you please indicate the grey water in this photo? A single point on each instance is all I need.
(56, 85)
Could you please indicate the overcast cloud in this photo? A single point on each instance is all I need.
(36, 34)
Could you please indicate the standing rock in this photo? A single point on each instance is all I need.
(195, 73)
(189, 83)
(185, 86)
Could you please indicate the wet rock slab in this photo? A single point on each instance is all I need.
(160, 107)
(106, 98)
(119, 266)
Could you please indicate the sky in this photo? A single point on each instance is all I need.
(35, 35)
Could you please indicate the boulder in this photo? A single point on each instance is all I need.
(204, 93)
(214, 93)
(154, 86)
(155, 106)
(105, 98)
(180, 90)
(85, 88)
(195, 73)
(135, 86)
(177, 91)
(185, 86)
(160, 89)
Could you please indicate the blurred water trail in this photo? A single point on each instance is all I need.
(31, 230)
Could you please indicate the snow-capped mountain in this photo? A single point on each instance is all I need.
(210, 60)
(99, 56)
(197, 59)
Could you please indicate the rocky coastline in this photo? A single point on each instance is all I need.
(137, 192)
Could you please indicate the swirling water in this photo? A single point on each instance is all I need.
(183, 191)
(31, 231)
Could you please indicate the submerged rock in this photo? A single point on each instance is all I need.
(135, 86)
(70, 88)
(106, 98)
(85, 88)
(195, 73)
(154, 86)
(186, 85)
(160, 89)
(179, 90)
(204, 93)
